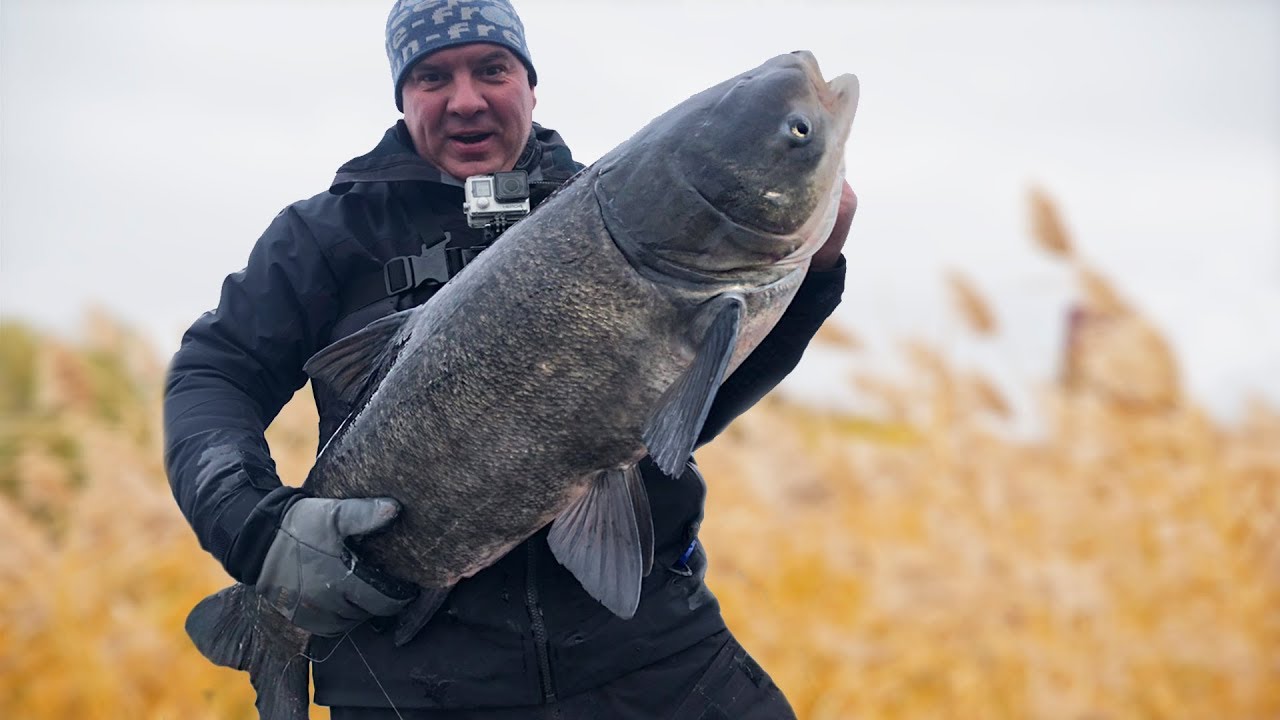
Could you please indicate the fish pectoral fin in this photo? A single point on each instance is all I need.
(606, 539)
(412, 619)
(673, 429)
(354, 366)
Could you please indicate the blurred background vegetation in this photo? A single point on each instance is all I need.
(920, 561)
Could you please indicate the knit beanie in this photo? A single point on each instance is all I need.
(416, 28)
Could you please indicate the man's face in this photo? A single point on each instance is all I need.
(469, 109)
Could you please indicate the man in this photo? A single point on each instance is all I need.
(521, 638)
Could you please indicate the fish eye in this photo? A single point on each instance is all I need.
(800, 128)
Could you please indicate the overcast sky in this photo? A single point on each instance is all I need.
(144, 146)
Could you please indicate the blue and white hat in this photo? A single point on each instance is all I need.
(416, 28)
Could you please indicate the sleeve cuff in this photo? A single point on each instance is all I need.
(838, 267)
(820, 292)
(252, 519)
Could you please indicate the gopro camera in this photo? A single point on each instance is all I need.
(496, 201)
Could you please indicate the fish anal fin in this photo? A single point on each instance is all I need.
(235, 628)
(673, 429)
(606, 539)
(412, 619)
(353, 366)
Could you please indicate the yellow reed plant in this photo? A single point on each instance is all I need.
(1125, 566)
(921, 563)
(97, 567)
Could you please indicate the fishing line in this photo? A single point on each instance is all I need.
(334, 649)
(303, 654)
(375, 678)
(347, 638)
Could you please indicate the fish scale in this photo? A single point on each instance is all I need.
(471, 450)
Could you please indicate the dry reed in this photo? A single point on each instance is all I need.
(1047, 227)
(918, 564)
(972, 306)
(834, 335)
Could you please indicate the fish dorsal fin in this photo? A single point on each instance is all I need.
(674, 427)
(353, 366)
(606, 539)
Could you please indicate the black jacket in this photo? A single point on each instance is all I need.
(522, 631)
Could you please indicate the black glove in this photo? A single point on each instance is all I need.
(309, 573)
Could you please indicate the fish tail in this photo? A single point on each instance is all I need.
(236, 629)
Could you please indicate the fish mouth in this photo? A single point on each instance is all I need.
(809, 63)
(840, 96)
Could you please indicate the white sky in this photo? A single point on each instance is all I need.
(144, 146)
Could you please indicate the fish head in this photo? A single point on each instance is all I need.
(741, 178)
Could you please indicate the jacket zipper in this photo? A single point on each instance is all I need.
(539, 627)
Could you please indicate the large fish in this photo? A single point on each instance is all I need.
(594, 332)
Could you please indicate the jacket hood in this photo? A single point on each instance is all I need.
(395, 160)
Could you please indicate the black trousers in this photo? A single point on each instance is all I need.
(713, 680)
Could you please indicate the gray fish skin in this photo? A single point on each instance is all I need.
(528, 388)
(540, 365)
